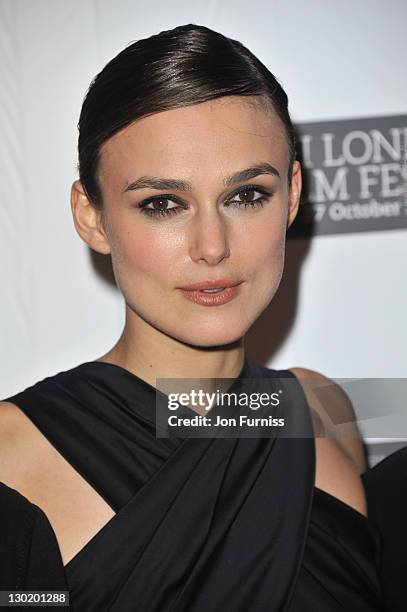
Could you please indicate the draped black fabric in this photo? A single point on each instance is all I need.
(30, 558)
(386, 492)
(202, 523)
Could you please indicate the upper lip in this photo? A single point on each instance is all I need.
(212, 284)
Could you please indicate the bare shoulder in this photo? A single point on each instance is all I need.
(340, 455)
(27, 458)
(32, 466)
(11, 427)
(17, 440)
(333, 412)
(29, 463)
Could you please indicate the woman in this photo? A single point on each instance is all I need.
(188, 179)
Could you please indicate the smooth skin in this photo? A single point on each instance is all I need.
(214, 233)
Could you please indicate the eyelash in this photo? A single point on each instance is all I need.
(258, 202)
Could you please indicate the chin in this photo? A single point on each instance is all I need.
(210, 342)
(212, 336)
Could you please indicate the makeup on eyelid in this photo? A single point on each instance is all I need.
(257, 202)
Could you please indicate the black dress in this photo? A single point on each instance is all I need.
(386, 493)
(30, 558)
(201, 524)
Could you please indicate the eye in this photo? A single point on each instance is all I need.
(245, 197)
(158, 205)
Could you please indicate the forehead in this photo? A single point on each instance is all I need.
(214, 136)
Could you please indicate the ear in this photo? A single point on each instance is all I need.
(88, 220)
(294, 193)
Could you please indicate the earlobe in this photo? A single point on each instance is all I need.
(294, 193)
(88, 220)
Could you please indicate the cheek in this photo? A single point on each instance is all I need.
(140, 255)
(264, 253)
(262, 242)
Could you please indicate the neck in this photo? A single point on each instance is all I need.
(149, 354)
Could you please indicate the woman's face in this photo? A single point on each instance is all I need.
(207, 223)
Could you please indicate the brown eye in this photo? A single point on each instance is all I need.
(246, 196)
(159, 206)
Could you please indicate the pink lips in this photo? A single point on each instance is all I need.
(228, 290)
(212, 284)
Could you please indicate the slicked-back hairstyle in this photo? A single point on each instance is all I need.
(183, 66)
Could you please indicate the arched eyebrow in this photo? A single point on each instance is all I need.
(151, 182)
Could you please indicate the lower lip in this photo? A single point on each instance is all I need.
(212, 299)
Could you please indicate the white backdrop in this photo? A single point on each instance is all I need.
(335, 59)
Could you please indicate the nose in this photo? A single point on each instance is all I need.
(209, 238)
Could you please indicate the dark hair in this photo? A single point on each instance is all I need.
(179, 67)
